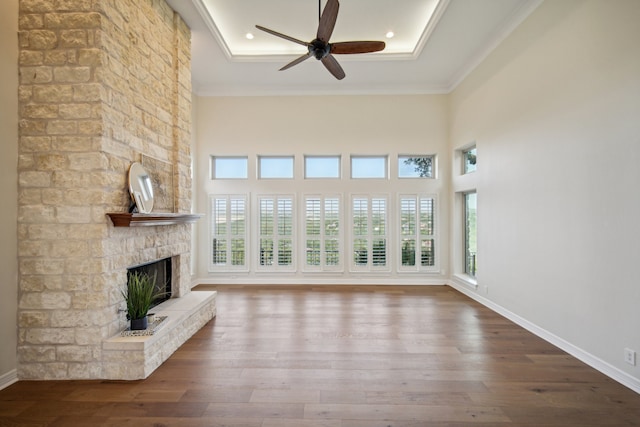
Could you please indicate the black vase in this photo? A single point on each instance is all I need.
(139, 324)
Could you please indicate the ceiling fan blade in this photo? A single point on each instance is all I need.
(334, 68)
(284, 36)
(296, 61)
(357, 47)
(328, 20)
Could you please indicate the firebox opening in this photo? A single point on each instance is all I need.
(161, 269)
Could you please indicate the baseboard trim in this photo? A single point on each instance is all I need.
(607, 369)
(374, 280)
(9, 378)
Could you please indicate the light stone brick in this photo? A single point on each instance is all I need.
(85, 371)
(50, 336)
(41, 283)
(29, 196)
(72, 20)
(73, 38)
(90, 127)
(46, 300)
(72, 143)
(88, 337)
(30, 248)
(53, 196)
(34, 179)
(36, 214)
(37, 353)
(73, 214)
(31, 57)
(51, 162)
(87, 92)
(30, 21)
(75, 111)
(33, 319)
(56, 57)
(43, 371)
(35, 143)
(71, 74)
(53, 93)
(36, 75)
(62, 127)
(42, 39)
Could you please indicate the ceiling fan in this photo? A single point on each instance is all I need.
(321, 49)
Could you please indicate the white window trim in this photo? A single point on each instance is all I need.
(256, 253)
(418, 268)
(228, 267)
(353, 268)
(322, 268)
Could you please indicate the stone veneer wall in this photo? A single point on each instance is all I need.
(101, 82)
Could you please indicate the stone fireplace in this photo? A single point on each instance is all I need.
(102, 83)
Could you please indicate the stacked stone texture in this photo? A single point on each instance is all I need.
(101, 83)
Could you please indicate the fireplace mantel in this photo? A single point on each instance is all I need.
(124, 219)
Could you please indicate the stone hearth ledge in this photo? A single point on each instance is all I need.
(134, 358)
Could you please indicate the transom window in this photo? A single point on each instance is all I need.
(368, 167)
(322, 166)
(275, 167)
(415, 166)
(229, 167)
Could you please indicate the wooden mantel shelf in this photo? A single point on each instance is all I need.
(124, 219)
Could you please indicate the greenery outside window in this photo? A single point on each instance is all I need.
(469, 159)
(415, 166)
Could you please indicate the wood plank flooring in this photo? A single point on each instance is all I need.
(342, 356)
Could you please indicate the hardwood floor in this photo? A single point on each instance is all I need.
(342, 357)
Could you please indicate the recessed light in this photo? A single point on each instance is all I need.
(249, 36)
(390, 34)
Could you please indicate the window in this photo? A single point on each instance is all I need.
(322, 233)
(228, 167)
(276, 232)
(415, 166)
(417, 230)
(470, 234)
(229, 232)
(368, 167)
(369, 233)
(322, 167)
(469, 160)
(275, 167)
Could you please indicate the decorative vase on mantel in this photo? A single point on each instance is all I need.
(139, 296)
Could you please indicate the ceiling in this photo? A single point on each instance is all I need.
(436, 43)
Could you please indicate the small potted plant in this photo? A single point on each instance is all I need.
(139, 296)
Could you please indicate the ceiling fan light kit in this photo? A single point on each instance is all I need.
(321, 49)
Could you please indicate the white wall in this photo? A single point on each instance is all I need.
(8, 188)
(333, 125)
(555, 113)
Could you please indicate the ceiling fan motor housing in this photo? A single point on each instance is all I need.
(319, 49)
